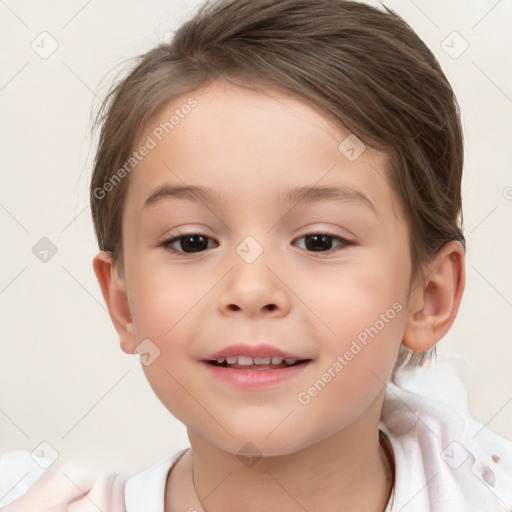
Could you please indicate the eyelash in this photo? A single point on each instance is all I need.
(167, 243)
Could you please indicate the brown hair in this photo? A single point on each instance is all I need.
(361, 67)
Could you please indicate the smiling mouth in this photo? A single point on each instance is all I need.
(256, 363)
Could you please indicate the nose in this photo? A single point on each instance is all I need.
(254, 289)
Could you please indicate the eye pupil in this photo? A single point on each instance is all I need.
(319, 242)
(188, 242)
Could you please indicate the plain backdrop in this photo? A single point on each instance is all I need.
(63, 378)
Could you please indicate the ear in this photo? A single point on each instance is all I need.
(435, 299)
(113, 288)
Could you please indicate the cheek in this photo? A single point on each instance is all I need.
(163, 315)
(356, 362)
(353, 371)
(345, 304)
(162, 300)
(165, 326)
(171, 305)
(361, 315)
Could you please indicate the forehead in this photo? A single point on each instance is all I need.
(252, 147)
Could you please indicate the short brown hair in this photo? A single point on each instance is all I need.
(361, 67)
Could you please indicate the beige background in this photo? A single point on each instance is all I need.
(63, 377)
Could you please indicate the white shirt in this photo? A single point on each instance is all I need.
(445, 461)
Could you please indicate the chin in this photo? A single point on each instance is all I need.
(257, 443)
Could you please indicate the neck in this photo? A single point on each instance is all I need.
(348, 471)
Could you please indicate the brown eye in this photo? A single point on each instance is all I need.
(323, 242)
(187, 244)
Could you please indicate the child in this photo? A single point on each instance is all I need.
(226, 159)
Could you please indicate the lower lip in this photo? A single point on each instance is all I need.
(255, 379)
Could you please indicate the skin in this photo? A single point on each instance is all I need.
(251, 146)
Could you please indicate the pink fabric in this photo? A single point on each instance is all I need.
(73, 489)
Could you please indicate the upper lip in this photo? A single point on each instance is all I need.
(251, 351)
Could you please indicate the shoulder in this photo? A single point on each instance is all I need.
(445, 460)
(146, 490)
(29, 482)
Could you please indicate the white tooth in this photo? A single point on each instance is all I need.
(277, 360)
(262, 360)
(246, 361)
(221, 359)
(232, 359)
(290, 361)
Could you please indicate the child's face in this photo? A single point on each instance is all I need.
(314, 304)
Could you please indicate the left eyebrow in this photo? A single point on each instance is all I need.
(317, 194)
(295, 195)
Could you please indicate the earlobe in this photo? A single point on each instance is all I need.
(115, 295)
(436, 299)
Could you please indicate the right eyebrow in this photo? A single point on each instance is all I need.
(192, 193)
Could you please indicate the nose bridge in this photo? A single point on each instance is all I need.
(252, 287)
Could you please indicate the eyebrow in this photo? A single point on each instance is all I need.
(317, 194)
(295, 195)
(190, 192)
